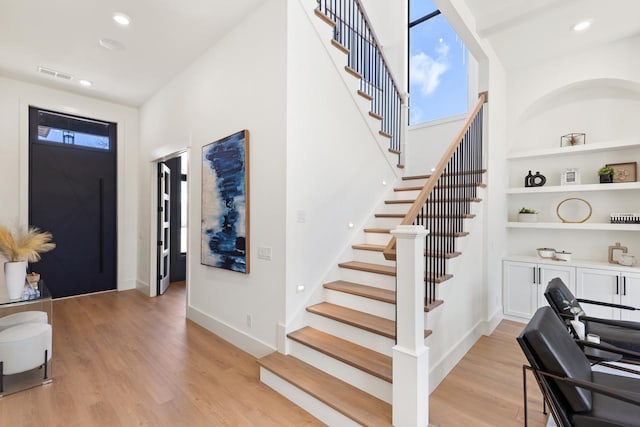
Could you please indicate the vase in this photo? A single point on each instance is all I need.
(606, 179)
(523, 217)
(15, 274)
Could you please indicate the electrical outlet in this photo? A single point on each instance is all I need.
(249, 320)
(264, 253)
(301, 217)
(300, 288)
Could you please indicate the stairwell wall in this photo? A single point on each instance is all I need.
(335, 167)
(239, 83)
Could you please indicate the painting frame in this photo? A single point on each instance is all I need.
(570, 176)
(225, 203)
(625, 172)
(573, 139)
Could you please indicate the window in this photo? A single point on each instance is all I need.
(60, 128)
(437, 66)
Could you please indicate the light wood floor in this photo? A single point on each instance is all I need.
(485, 388)
(123, 359)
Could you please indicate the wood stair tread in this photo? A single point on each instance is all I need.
(387, 270)
(388, 135)
(324, 18)
(419, 187)
(434, 304)
(391, 150)
(379, 294)
(378, 230)
(359, 319)
(401, 215)
(342, 48)
(427, 176)
(431, 254)
(369, 247)
(337, 394)
(375, 116)
(371, 292)
(369, 361)
(365, 95)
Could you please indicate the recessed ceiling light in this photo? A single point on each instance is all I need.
(581, 26)
(111, 44)
(85, 83)
(121, 19)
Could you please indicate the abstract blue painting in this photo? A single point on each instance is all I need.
(225, 203)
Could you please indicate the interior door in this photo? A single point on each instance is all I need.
(164, 227)
(72, 194)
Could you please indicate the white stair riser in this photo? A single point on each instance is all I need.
(366, 278)
(390, 223)
(400, 208)
(356, 335)
(321, 411)
(355, 302)
(377, 238)
(412, 183)
(357, 378)
(374, 257)
(404, 195)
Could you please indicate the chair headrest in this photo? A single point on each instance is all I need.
(561, 299)
(550, 348)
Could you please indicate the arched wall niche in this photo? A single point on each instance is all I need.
(604, 109)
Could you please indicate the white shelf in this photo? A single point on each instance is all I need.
(576, 149)
(575, 188)
(568, 226)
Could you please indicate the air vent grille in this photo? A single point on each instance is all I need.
(54, 73)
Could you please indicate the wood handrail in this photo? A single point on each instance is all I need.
(428, 187)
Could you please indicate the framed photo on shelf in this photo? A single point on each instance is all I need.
(571, 139)
(570, 177)
(625, 172)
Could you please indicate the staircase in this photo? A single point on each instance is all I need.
(341, 360)
(339, 364)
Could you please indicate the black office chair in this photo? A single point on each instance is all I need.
(577, 396)
(616, 335)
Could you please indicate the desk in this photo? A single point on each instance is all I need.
(41, 302)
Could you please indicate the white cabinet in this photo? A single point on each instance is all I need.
(609, 286)
(524, 285)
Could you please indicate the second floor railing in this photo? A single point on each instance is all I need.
(353, 30)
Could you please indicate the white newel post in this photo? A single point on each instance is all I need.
(410, 355)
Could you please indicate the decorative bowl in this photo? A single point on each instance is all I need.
(546, 252)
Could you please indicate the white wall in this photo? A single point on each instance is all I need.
(239, 83)
(335, 165)
(15, 99)
(389, 22)
(427, 143)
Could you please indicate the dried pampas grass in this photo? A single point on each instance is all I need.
(26, 246)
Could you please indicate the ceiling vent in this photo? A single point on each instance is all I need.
(54, 73)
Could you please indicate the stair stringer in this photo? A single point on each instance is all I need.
(339, 59)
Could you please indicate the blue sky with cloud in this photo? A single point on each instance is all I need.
(438, 68)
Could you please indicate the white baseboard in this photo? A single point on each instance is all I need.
(143, 287)
(227, 332)
(441, 369)
(127, 284)
(493, 322)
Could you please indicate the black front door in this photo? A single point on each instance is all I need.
(72, 194)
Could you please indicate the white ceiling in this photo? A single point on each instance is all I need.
(165, 36)
(523, 32)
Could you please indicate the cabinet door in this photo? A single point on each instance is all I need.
(519, 290)
(599, 285)
(548, 272)
(630, 296)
